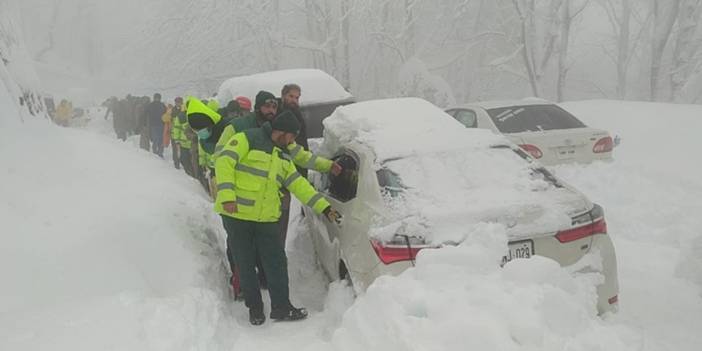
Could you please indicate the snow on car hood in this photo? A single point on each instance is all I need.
(317, 86)
(452, 179)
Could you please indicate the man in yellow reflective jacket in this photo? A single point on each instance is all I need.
(265, 111)
(251, 171)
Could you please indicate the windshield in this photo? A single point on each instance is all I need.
(532, 118)
(314, 114)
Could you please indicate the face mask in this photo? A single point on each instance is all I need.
(203, 134)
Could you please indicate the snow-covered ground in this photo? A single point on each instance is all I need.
(106, 246)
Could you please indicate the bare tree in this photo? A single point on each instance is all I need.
(567, 15)
(665, 13)
(686, 51)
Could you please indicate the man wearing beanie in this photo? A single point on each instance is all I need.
(252, 168)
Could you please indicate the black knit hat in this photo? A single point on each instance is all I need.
(286, 122)
(199, 121)
(262, 97)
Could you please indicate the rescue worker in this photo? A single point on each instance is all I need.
(154, 113)
(175, 132)
(251, 170)
(265, 109)
(181, 134)
(211, 125)
(208, 125)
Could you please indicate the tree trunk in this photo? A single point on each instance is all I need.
(623, 49)
(563, 52)
(662, 26)
(526, 16)
(346, 42)
(685, 48)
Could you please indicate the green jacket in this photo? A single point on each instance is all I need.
(298, 154)
(251, 171)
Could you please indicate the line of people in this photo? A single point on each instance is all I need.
(251, 162)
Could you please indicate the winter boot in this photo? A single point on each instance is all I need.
(256, 316)
(288, 313)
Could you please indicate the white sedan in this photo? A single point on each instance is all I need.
(546, 131)
(415, 179)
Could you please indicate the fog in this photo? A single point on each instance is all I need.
(445, 51)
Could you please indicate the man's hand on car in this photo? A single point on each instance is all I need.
(332, 215)
(336, 169)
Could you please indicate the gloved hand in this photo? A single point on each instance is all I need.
(332, 215)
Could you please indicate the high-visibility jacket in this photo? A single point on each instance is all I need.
(203, 158)
(197, 107)
(179, 126)
(251, 171)
(298, 154)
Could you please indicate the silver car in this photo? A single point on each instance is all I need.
(374, 180)
(543, 129)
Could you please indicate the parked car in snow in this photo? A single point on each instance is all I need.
(414, 179)
(549, 133)
(321, 93)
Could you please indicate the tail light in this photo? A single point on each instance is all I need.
(532, 150)
(569, 235)
(614, 299)
(596, 224)
(603, 145)
(400, 248)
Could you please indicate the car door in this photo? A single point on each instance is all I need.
(340, 190)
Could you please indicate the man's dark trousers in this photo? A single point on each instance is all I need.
(248, 239)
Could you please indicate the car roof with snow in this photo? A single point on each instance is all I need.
(487, 105)
(403, 126)
(317, 86)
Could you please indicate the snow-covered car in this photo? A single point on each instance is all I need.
(545, 130)
(321, 93)
(415, 179)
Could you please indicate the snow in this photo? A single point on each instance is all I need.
(317, 86)
(396, 128)
(106, 246)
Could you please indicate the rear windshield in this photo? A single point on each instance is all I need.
(314, 115)
(532, 118)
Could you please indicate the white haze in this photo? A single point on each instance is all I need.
(445, 51)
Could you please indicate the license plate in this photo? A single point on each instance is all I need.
(519, 249)
(565, 153)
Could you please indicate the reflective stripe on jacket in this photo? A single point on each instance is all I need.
(300, 156)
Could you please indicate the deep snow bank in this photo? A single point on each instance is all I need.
(102, 246)
(458, 298)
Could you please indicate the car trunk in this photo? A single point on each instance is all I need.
(564, 145)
